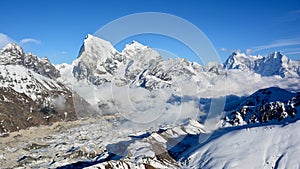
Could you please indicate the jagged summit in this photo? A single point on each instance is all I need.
(13, 48)
(138, 51)
(134, 45)
(240, 61)
(29, 91)
(96, 46)
(13, 54)
(272, 64)
(99, 62)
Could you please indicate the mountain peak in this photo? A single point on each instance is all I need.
(93, 39)
(272, 64)
(136, 50)
(89, 36)
(136, 44)
(12, 53)
(96, 58)
(277, 55)
(13, 48)
(95, 46)
(238, 60)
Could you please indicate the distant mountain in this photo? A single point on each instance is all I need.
(273, 64)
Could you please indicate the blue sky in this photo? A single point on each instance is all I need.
(57, 28)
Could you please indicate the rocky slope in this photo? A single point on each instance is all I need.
(265, 106)
(30, 94)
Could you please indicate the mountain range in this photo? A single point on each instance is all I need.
(111, 109)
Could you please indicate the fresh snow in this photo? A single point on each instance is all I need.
(272, 64)
(273, 146)
(26, 81)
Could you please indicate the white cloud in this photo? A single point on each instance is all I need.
(4, 40)
(30, 40)
(223, 49)
(278, 43)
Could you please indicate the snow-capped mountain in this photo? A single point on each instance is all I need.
(273, 64)
(99, 62)
(13, 54)
(99, 65)
(137, 67)
(30, 95)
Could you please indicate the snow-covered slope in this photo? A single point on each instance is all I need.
(274, 146)
(273, 64)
